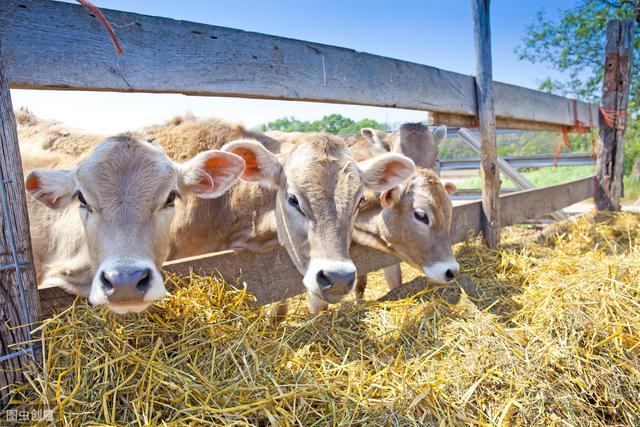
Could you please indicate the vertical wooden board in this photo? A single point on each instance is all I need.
(615, 97)
(14, 227)
(487, 121)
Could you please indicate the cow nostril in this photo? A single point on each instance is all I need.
(144, 283)
(351, 279)
(450, 274)
(323, 280)
(106, 283)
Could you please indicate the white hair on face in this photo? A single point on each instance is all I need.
(438, 271)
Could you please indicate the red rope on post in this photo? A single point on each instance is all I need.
(578, 127)
(610, 117)
(98, 13)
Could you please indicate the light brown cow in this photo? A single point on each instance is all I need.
(123, 196)
(308, 198)
(53, 136)
(412, 220)
(415, 140)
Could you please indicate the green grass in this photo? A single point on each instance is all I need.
(631, 190)
(542, 177)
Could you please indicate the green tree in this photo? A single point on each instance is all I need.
(335, 123)
(574, 45)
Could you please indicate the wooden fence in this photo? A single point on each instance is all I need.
(168, 56)
(53, 45)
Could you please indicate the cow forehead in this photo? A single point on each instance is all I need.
(324, 174)
(416, 130)
(126, 170)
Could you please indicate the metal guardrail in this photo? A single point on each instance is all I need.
(508, 165)
(527, 161)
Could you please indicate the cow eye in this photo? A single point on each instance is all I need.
(293, 201)
(171, 199)
(421, 216)
(83, 202)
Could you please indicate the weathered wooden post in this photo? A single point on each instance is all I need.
(489, 171)
(19, 303)
(613, 115)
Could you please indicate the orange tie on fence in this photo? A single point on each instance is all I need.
(610, 118)
(578, 127)
(100, 16)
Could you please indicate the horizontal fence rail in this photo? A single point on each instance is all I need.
(466, 194)
(526, 161)
(271, 276)
(55, 45)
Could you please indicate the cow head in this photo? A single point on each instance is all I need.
(319, 189)
(125, 192)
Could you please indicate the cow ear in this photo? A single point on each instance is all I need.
(211, 173)
(372, 136)
(53, 188)
(262, 166)
(385, 171)
(450, 188)
(391, 197)
(440, 134)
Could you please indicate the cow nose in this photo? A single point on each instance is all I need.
(451, 273)
(340, 281)
(125, 284)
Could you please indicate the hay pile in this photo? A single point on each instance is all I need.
(553, 337)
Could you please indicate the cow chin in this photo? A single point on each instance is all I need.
(332, 299)
(128, 308)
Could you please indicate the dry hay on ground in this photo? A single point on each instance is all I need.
(552, 337)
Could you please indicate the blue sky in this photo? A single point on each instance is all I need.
(437, 33)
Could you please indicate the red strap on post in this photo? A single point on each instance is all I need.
(98, 13)
(610, 117)
(578, 127)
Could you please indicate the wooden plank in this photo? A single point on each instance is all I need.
(271, 275)
(535, 203)
(522, 206)
(55, 45)
(615, 97)
(489, 172)
(19, 302)
(520, 180)
(460, 121)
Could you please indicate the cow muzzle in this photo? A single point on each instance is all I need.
(331, 280)
(442, 272)
(127, 286)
